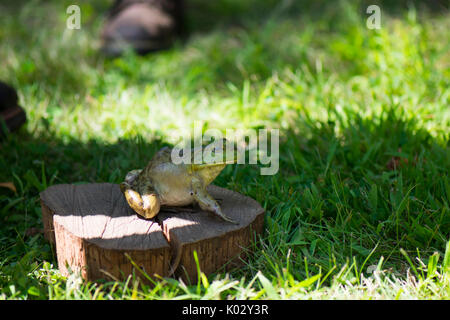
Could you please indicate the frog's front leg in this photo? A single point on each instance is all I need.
(146, 204)
(207, 202)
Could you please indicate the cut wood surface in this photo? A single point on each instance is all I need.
(96, 233)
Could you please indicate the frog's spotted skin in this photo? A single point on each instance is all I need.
(163, 183)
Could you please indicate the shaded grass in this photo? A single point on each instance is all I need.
(364, 152)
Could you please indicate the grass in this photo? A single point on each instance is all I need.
(360, 206)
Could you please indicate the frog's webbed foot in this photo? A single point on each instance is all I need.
(207, 202)
(146, 205)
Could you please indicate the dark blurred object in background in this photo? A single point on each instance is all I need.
(142, 25)
(10, 111)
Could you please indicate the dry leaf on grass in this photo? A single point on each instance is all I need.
(8, 185)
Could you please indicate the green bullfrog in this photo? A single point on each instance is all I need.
(165, 183)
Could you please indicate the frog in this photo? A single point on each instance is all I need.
(163, 183)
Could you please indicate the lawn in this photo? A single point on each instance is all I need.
(360, 206)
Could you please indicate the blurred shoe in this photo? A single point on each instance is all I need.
(10, 112)
(142, 25)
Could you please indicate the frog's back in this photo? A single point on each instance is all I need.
(163, 155)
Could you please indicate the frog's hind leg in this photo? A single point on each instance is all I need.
(151, 203)
(207, 202)
(146, 205)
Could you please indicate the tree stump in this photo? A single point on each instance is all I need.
(96, 233)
